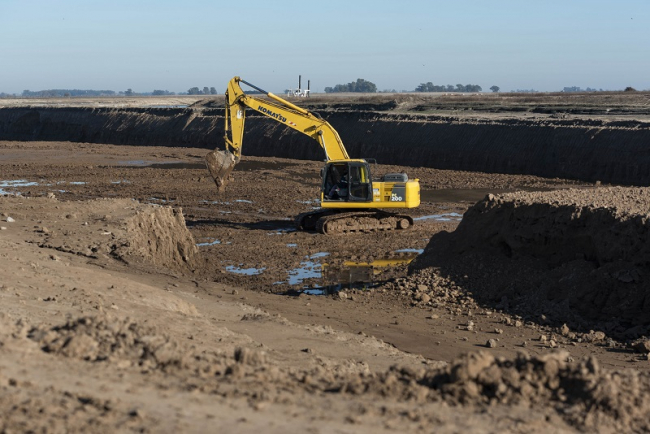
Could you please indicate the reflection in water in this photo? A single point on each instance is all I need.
(346, 274)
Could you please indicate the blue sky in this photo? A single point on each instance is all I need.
(173, 45)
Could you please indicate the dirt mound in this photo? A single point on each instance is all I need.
(583, 394)
(573, 255)
(26, 409)
(159, 236)
(134, 232)
(122, 341)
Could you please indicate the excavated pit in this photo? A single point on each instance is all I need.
(579, 256)
(607, 150)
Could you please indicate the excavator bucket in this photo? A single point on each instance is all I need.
(220, 164)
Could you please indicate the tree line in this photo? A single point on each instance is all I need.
(430, 87)
(205, 91)
(66, 92)
(62, 93)
(360, 85)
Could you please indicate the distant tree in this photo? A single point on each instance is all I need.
(213, 91)
(128, 92)
(430, 87)
(495, 89)
(630, 89)
(360, 85)
(194, 91)
(206, 91)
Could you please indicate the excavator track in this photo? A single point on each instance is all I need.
(306, 221)
(330, 222)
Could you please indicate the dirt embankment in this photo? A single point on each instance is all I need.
(611, 151)
(578, 256)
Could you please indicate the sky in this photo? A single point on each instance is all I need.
(397, 44)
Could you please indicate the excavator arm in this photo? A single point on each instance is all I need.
(221, 163)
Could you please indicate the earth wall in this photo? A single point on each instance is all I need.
(585, 149)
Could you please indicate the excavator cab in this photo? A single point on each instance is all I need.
(347, 181)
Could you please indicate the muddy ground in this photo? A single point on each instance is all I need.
(123, 313)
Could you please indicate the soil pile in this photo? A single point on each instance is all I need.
(117, 340)
(573, 255)
(582, 394)
(158, 236)
(142, 234)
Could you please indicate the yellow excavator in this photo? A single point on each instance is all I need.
(350, 201)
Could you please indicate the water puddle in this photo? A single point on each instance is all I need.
(245, 271)
(159, 200)
(178, 165)
(282, 231)
(418, 251)
(308, 269)
(215, 202)
(447, 217)
(346, 274)
(16, 183)
(208, 243)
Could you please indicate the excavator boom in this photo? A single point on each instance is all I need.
(221, 163)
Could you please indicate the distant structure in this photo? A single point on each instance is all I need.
(302, 93)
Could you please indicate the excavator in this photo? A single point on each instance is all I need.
(350, 200)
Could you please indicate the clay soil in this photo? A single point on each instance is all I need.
(135, 298)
